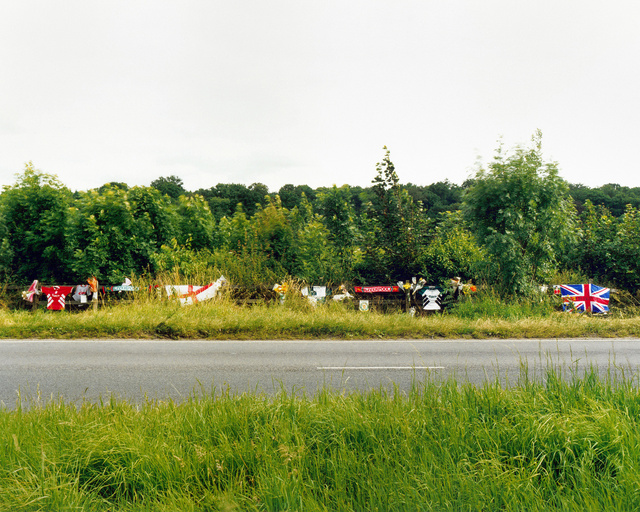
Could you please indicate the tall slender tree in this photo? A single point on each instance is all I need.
(393, 228)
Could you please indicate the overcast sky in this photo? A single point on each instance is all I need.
(308, 92)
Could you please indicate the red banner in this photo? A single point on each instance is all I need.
(376, 289)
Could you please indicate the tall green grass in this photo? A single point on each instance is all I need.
(487, 304)
(548, 444)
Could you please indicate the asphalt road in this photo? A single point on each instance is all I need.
(78, 370)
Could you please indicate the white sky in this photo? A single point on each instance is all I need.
(308, 92)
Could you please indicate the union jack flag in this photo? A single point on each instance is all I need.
(585, 297)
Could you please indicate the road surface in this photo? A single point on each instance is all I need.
(78, 370)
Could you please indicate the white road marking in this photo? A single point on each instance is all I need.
(380, 367)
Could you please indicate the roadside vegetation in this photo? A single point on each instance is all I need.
(514, 224)
(483, 315)
(561, 442)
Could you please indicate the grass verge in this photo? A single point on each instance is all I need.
(557, 444)
(225, 320)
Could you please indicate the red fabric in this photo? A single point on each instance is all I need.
(56, 296)
(376, 289)
(32, 291)
(194, 294)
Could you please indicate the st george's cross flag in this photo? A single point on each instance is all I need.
(585, 297)
(189, 294)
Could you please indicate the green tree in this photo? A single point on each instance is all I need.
(291, 195)
(197, 227)
(597, 250)
(609, 248)
(106, 242)
(225, 197)
(235, 231)
(170, 185)
(275, 235)
(453, 250)
(627, 254)
(6, 252)
(437, 198)
(319, 262)
(338, 215)
(521, 211)
(35, 214)
(241, 255)
(393, 229)
(154, 214)
(117, 232)
(613, 196)
(112, 184)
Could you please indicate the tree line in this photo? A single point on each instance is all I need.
(515, 224)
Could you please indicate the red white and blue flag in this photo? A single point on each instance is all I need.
(585, 297)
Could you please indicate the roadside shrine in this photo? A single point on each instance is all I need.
(58, 297)
(89, 294)
(92, 294)
(415, 297)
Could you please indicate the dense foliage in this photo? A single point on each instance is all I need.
(514, 224)
(521, 210)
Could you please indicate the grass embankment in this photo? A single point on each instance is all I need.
(297, 320)
(562, 445)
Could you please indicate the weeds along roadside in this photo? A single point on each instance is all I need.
(551, 443)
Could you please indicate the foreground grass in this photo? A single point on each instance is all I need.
(224, 320)
(563, 445)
